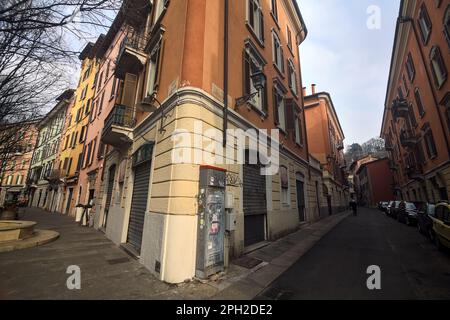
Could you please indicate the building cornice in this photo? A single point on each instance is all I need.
(327, 97)
(294, 10)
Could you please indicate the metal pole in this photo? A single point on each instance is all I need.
(225, 74)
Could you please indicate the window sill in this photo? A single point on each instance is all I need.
(277, 68)
(291, 51)
(275, 20)
(251, 106)
(439, 86)
(282, 130)
(252, 32)
(294, 93)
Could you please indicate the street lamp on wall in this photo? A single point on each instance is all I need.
(259, 81)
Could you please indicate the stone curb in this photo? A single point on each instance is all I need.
(39, 238)
(255, 282)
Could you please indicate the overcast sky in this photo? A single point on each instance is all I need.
(350, 61)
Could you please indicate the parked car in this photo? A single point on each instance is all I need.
(441, 225)
(424, 219)
(393, 208)
(407, 213)
(382, 206)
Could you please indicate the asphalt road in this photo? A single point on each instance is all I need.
(336, 268)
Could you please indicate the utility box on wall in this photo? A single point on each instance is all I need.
(211, 222)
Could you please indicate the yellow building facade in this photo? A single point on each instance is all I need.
(77, 123)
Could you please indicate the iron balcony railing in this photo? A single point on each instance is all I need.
(131, 57)
(121, 116)
(400, 108)
(414, 171)
(132, 40)
(392, 165)
(408, 139)
(388, 146)
(54, 174)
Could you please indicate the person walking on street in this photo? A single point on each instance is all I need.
(354, 206)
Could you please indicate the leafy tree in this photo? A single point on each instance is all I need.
(36, 55)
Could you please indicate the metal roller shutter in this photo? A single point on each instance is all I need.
(255, 206)
(138, 204)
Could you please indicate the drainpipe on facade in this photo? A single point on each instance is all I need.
(302, 96)
(225, 74)
(225, 114)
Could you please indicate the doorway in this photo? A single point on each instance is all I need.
(300, 186)
(111, 177)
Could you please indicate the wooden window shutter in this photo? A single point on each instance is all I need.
(289, 74)
(261, 21)
(129, 90)
(275, 106)
(250, 13)
(83, 155)
(246, 67)
(69, 165)
(75, 140)
(265, 103)
(159, 62)
(289, 106)
(441, 63)
(93, 151)
(113, 90)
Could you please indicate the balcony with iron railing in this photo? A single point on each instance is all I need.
(119, 125)
(388, 146)
(131, 57)
(53, 175)
(400, 108)
(392, 165)
(415, 172)
(408, 139)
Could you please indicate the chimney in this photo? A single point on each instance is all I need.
(304, 91)
(313, 89)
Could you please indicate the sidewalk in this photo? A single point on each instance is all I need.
(109, 273)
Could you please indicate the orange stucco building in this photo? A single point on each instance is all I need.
(326, 143)
(167, 64)
(416, 120)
